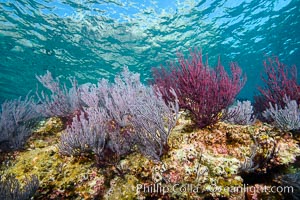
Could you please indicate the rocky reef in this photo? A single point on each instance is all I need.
(223, 161)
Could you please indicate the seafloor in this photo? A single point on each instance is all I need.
(220, 162)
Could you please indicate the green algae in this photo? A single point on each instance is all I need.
(54, 172)
(122, 188)
(198, 160)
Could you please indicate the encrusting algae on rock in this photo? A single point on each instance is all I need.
(60, 177)
(200, 163)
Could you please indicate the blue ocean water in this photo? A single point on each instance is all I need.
(93, 39)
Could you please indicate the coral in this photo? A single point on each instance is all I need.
(117, 99)
(193, 170)
(280, 81)
(17, 118)
(287, 118)
(242, 113)
(270, 149)
(249, 165)
(200, 164)
(140, 117)
(153, 121)
(123, 116)
(90, 94)
(140, 153)
(85, 135)
(202, 90)
(63, 101)
(10, 188)
(262, 152)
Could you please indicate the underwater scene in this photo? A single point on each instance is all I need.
(149, 99)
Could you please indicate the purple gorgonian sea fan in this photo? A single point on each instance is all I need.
(145, 119)
(87, 133)
(286, 118)
(203, 91)
(243, 113)
(119, 118)
(12, 189)
(17, 118)
(62, 101)
(141, 108)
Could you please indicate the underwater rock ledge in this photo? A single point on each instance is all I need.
(200, 164)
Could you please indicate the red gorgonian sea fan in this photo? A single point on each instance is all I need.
(280, 81)
(204, 91)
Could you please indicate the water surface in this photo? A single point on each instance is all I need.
(93, 39)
